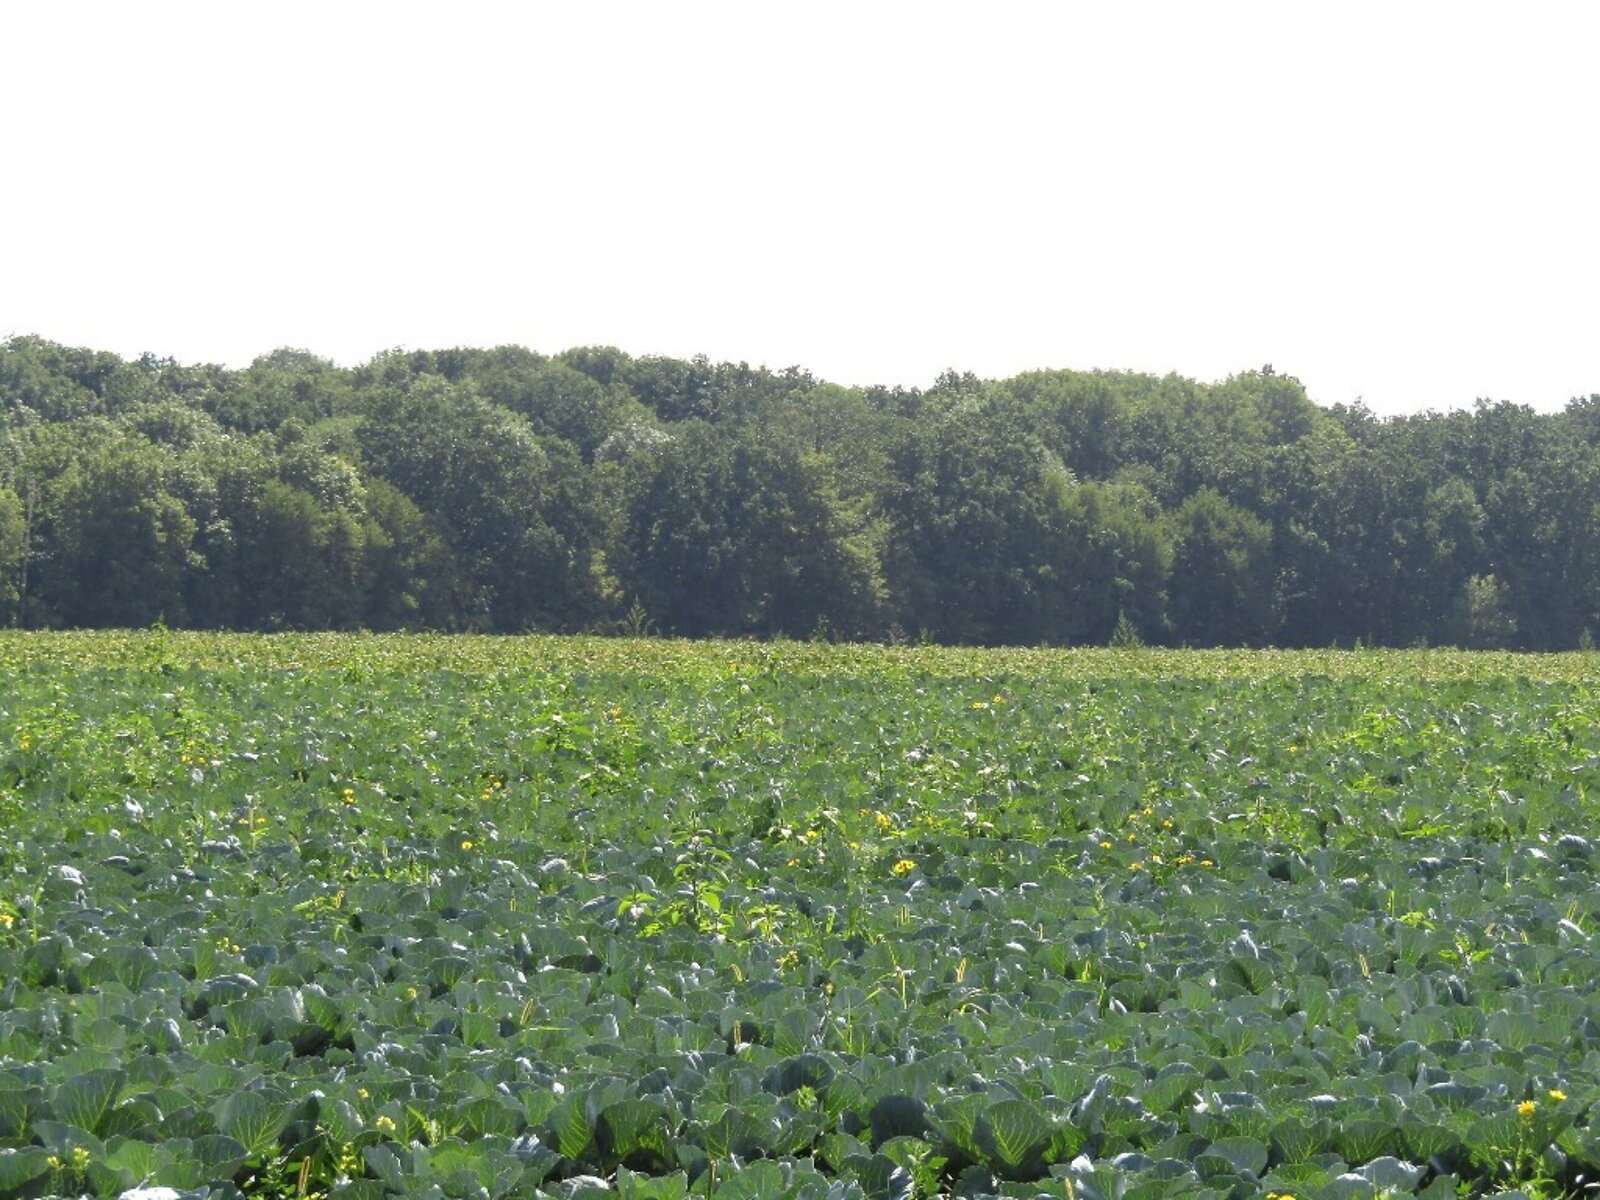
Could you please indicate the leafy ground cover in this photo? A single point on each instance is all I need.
(484, 918)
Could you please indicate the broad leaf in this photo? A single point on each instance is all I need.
(254, 1119)
(1014, 1137)
(85, 1099)
(22, 1166)
(635, 1132)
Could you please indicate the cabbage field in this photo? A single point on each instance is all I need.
(480, 918)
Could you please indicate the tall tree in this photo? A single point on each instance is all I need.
(1221, 591)
(734, 533)
(120, 542)
(969, 515)
(517, 512)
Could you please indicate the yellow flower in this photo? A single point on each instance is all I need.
(904, 867)
(349, 795)
(980, 704)
(1527, 1108)
(7, 920)
(1557, 1095)
(466, 843)
(884, 823)
(385, 1124)
(1206, 862)
(1105, 845)
(1138, 866)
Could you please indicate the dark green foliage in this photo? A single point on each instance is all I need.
(1221, 590)
(970, 510)
(733, 532)
(503, 490)
(517, 512)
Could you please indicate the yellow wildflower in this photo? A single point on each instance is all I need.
(1527, 1108)
(385, 1124)
(1557, 1095)
(904, 866)
(1105, 845)
(466, 843)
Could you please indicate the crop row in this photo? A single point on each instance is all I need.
(735, 926)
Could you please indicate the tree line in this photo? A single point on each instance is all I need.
(501, 490)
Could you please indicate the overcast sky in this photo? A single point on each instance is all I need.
(1394, 202)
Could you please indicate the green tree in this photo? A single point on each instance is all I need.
(1221, 591)
(1109, 556)
(728, 532)
(13, 544)
(411, 573)
(969, 517)
(1083, 417)
(285, 385)
(119, 543)
(518, 513)
(564, 403)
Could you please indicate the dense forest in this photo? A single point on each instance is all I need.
(503, 490)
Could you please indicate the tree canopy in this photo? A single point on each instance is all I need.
(504, 490)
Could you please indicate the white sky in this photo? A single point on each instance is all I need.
(1393, 201)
